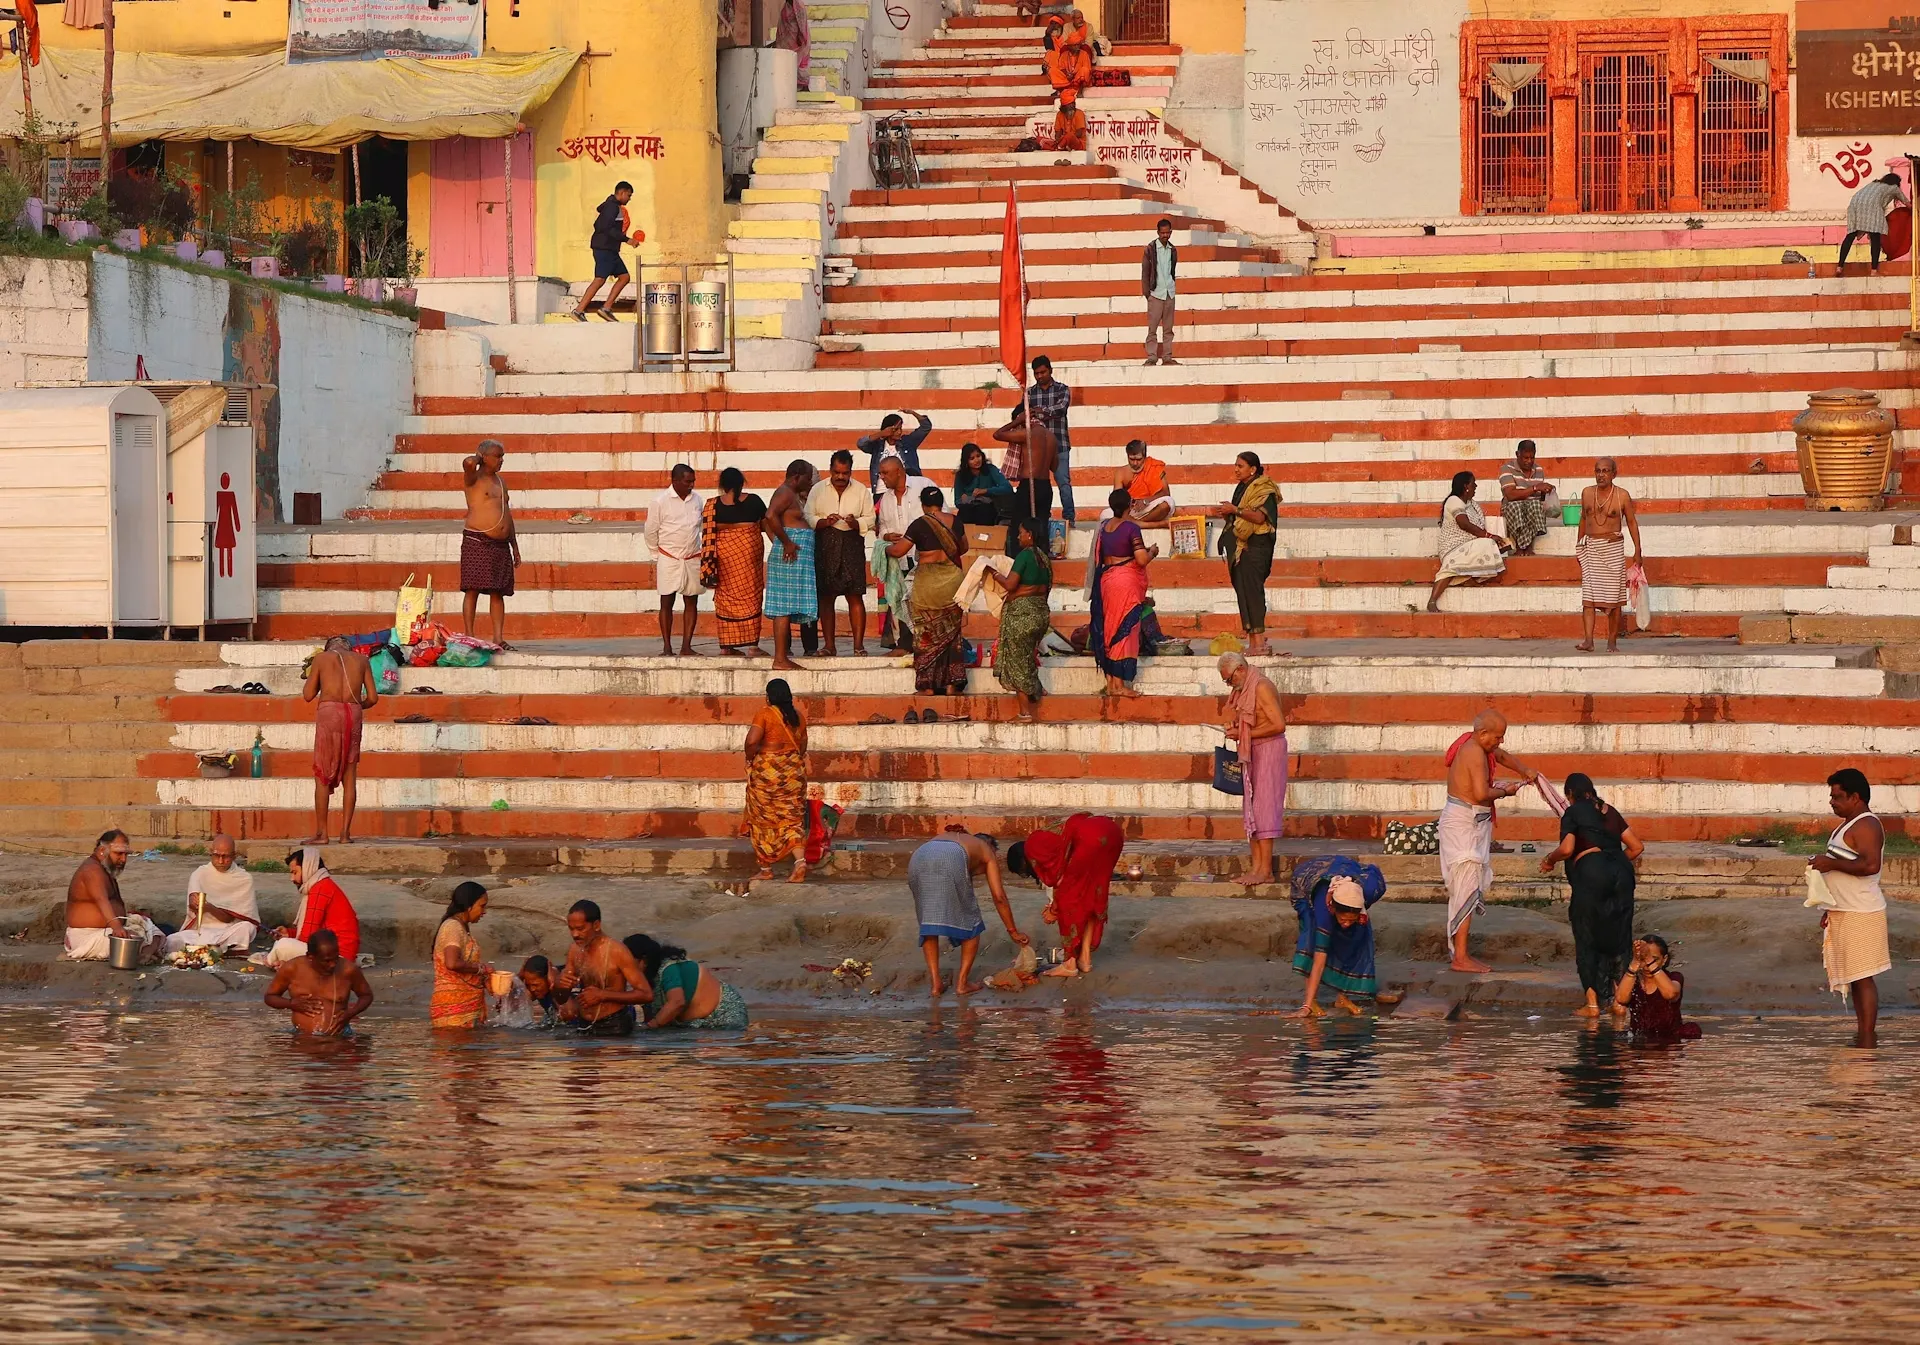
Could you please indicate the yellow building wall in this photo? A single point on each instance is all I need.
(1621, 9)
(1209, 27)
(653, 73)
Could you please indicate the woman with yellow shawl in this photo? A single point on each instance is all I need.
(459, 974)
(1248, 544)
(938, 664)
(776, 811)
(733, 562)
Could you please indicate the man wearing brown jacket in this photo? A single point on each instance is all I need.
(1157, 266)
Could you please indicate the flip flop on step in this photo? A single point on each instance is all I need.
(930, 716)
(877, 719)
(530, 721)
(425, 691)
(913, 716)
(255, 689)
(224, 689)
(413, 719)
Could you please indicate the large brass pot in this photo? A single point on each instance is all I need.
(1845, 444)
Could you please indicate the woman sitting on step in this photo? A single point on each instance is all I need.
(1468, 552)
(982, 496)
(776, 812)
(685, 994)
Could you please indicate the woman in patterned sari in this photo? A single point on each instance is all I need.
(733, 562)
(459, 975)
(1023, 618)
(1119, 596)
(938, 665)
(776, 811)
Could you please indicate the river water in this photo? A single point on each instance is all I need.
(960, 1176)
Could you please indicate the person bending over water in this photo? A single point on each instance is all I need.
(1076, 863)
(608, 979)
(1331, 895)
(1650, 993)
(685, 994)
(1599, 848)
(940, 875)
(316, 990)
(536, 974)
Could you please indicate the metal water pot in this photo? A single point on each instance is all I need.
(124, 954)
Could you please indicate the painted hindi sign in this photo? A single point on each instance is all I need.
(1857, 67)
(368, 30)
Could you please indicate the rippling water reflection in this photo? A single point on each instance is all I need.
(967, 1176)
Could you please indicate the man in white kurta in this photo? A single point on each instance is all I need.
(674, 523)
(221, 910)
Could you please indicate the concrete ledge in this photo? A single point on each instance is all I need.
(569, 348)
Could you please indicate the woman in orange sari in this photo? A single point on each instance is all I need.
(459, 975)
(776, 811)
(733, 562)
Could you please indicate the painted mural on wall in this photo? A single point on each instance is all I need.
(370, 30)
(251, 354)
(1349, 107)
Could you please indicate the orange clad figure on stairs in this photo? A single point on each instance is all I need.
(1069, 123)
(1069, 55)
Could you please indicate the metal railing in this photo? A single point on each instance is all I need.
(1142, 22)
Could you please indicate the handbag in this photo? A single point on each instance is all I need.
(709, 545)
(412, 604)
(1228, 777)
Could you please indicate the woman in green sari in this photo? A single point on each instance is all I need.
(1248, 544)
(685, 994)
(1024, 617)
(938, 664)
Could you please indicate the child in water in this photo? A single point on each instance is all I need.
(1650, 992)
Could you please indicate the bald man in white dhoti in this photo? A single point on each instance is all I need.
(221, 909)
(1466, 826)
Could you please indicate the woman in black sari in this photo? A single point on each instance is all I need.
(1599, 849)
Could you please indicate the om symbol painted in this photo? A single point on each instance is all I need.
(1851, 167)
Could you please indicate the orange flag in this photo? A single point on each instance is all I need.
(30, 18)
(1013, 293)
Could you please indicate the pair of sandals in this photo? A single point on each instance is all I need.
(244, 689)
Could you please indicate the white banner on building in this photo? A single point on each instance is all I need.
(367, 30)
(1352, 107)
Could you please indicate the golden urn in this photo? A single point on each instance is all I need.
(1845, 444)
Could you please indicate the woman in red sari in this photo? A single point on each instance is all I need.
(1119, 596)
(1077, 863)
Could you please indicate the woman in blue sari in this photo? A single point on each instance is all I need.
(1331, 895)
(1119, 596)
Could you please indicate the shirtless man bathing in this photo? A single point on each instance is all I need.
(609, 981)
(1466, 825)
(490, 546)
(341, 680)
(323, 991)
(95, 912)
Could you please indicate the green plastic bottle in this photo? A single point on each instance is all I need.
(259, 754)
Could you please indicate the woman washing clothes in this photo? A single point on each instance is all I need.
(685, 994)
(1076, 863)
(1650, 995)
(459, 973)
(1599, 849)
(1331, 895)
(939, 665)
(1119, 596)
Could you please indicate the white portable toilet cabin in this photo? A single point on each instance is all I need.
(212, 542)
(83, 507)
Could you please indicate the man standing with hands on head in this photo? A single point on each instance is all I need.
(1604, 507)
(674, 525)
(841, 514)
(1157, 267)
(1466, 825)
(489, 544)
(894, 441)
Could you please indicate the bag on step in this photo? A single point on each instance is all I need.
(1417, 838)
(386, 670)
(412, 604)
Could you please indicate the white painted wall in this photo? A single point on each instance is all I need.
(897, 27)
(1352, 107)
(43, 321)
(1208, 103)
(345, 373)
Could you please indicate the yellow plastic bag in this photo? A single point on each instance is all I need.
(412, 604)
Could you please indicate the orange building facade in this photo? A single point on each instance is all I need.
(1623, 116)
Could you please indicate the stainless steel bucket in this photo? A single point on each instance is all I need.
(124, 954)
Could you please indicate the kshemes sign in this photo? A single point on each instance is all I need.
(1857, 67)
(367, 30)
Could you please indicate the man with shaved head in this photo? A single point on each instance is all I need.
(221, 909)
(1605, 509)
(1466, 825)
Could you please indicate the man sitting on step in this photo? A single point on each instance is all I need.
(1145, 481)
(96, 914)
(1069, 124)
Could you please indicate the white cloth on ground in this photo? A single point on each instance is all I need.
(1466, 860)
(285, 951)
(93, 945)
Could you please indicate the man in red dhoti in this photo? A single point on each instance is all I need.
(1077, 863)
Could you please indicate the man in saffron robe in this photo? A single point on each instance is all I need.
(1069, 123)
(1144, 478)
(1077, 863)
